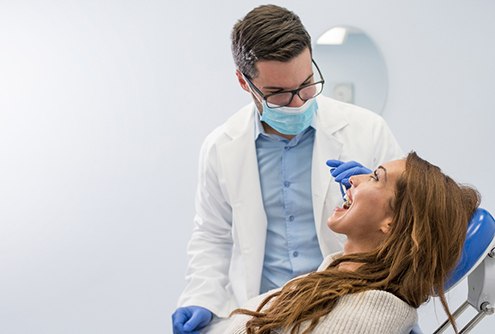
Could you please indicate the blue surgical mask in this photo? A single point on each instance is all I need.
(288, 120)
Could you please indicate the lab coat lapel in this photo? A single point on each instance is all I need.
(325, 190)
(240, 166)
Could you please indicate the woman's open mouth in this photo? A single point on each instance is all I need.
(347, 201)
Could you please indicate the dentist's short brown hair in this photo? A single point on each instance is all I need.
(267, 32)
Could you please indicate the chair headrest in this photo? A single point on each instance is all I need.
(479, 237)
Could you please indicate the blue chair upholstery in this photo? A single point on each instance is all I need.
(479, 237)
(477, 262)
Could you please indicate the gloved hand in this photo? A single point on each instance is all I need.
(189, 319)
(342, 171)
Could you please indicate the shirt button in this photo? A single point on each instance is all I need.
(295, 254)
(291, 218)
(287, 148)
(286, 184)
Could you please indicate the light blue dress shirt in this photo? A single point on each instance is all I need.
(291, 247)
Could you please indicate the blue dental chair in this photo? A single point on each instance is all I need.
(477, 262)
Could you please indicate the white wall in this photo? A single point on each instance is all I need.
(103, 107)
(357, 62)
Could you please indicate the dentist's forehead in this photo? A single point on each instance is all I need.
(289, 74)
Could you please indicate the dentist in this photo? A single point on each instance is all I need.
(264, 192)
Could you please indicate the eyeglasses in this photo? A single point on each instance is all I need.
(284, 98)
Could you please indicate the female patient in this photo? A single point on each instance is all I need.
(405, 226)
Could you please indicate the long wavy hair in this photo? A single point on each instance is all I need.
(430, 217)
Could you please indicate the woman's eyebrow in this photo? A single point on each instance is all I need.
(384, 171)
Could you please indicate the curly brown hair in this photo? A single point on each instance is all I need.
(431, 213)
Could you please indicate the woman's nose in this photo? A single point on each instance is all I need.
(355, 180)
(352, 181)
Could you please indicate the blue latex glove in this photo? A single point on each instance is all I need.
(190, 319)
(342, 171)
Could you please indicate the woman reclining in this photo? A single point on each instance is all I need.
(405, 225)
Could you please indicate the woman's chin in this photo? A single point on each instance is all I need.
(335, 217)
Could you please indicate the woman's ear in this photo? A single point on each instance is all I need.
(386, 226)
(242, 81)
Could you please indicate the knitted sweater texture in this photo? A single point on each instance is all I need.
(369, 312)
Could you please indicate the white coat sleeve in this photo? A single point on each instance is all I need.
(210, 247)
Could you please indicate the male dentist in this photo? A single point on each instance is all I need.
(264, 191)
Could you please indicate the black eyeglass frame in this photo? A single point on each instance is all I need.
(293, 92)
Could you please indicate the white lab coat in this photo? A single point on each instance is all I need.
(227, 246)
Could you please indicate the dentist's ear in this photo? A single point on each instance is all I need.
(242, 81)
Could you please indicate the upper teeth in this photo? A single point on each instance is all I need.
(347, 204)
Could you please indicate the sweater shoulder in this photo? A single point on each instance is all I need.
(372, 311)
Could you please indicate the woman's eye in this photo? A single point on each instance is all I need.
(374, 176)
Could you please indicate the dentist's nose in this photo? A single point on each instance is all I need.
(296, 102)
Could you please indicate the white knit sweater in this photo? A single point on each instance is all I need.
(368, 312)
